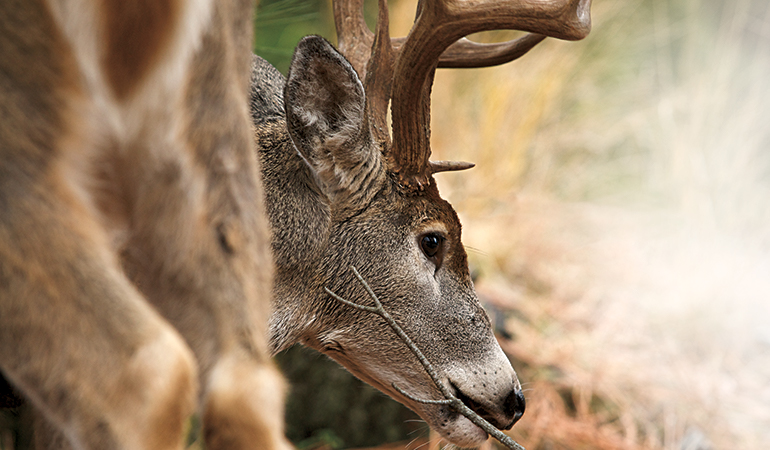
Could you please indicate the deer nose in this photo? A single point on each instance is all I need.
(502, 415)
(514, 406)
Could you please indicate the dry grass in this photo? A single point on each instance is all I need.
(620, 212)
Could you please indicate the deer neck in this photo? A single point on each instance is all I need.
(299, 214)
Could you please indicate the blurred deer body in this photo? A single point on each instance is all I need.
(135, 271)
(340, 193)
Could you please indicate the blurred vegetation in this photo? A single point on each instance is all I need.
(328, 407)
(620, 203)
(280, 24)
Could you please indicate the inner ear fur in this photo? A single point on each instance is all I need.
(326, 116)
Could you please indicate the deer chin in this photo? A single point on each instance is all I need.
(452, 426)
(459, 430)
(382, 373)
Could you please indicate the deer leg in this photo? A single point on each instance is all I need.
(200, 243)
(224, 322)
(199, 251)
(76, 337)
(211, 280)
(243, 405)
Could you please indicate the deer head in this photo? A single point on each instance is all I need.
(341, 192)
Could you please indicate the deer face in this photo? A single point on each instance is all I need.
(412, 257)
(407, 246)
(363, 200)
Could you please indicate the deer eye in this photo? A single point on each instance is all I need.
(432, 244)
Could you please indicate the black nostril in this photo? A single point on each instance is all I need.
(521, 405)
(515, 405)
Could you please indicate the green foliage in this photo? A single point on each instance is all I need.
(16, 428)
(280, 24)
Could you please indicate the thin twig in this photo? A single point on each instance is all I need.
(446, 401)
(449, 398)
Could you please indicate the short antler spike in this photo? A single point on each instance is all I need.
(448, 166)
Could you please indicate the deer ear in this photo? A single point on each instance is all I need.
(326, 115)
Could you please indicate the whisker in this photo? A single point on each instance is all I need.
(411, 442)
(476, 250)
(422, 445)
(420, 430)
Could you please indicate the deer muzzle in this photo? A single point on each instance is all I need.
(488, 386)
(502, 415)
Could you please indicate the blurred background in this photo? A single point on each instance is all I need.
(617, 222)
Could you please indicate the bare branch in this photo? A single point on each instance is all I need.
(421, 400)
(354, 305)
(449, 398)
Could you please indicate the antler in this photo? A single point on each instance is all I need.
(355, 41)
(437, 40)
(354, 38)
(438, 25)
(468, 54)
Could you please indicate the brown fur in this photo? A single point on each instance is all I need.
(136, 33)
(135, 271)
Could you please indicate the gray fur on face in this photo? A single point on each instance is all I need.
(333, 204)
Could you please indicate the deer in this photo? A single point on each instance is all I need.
(135, 266)
(342, 194)
(141, 209)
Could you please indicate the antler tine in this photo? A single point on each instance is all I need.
(441, 23)
(379, 76)
(354, 38)
(466, 54)
(355, 42)
(448, 166)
